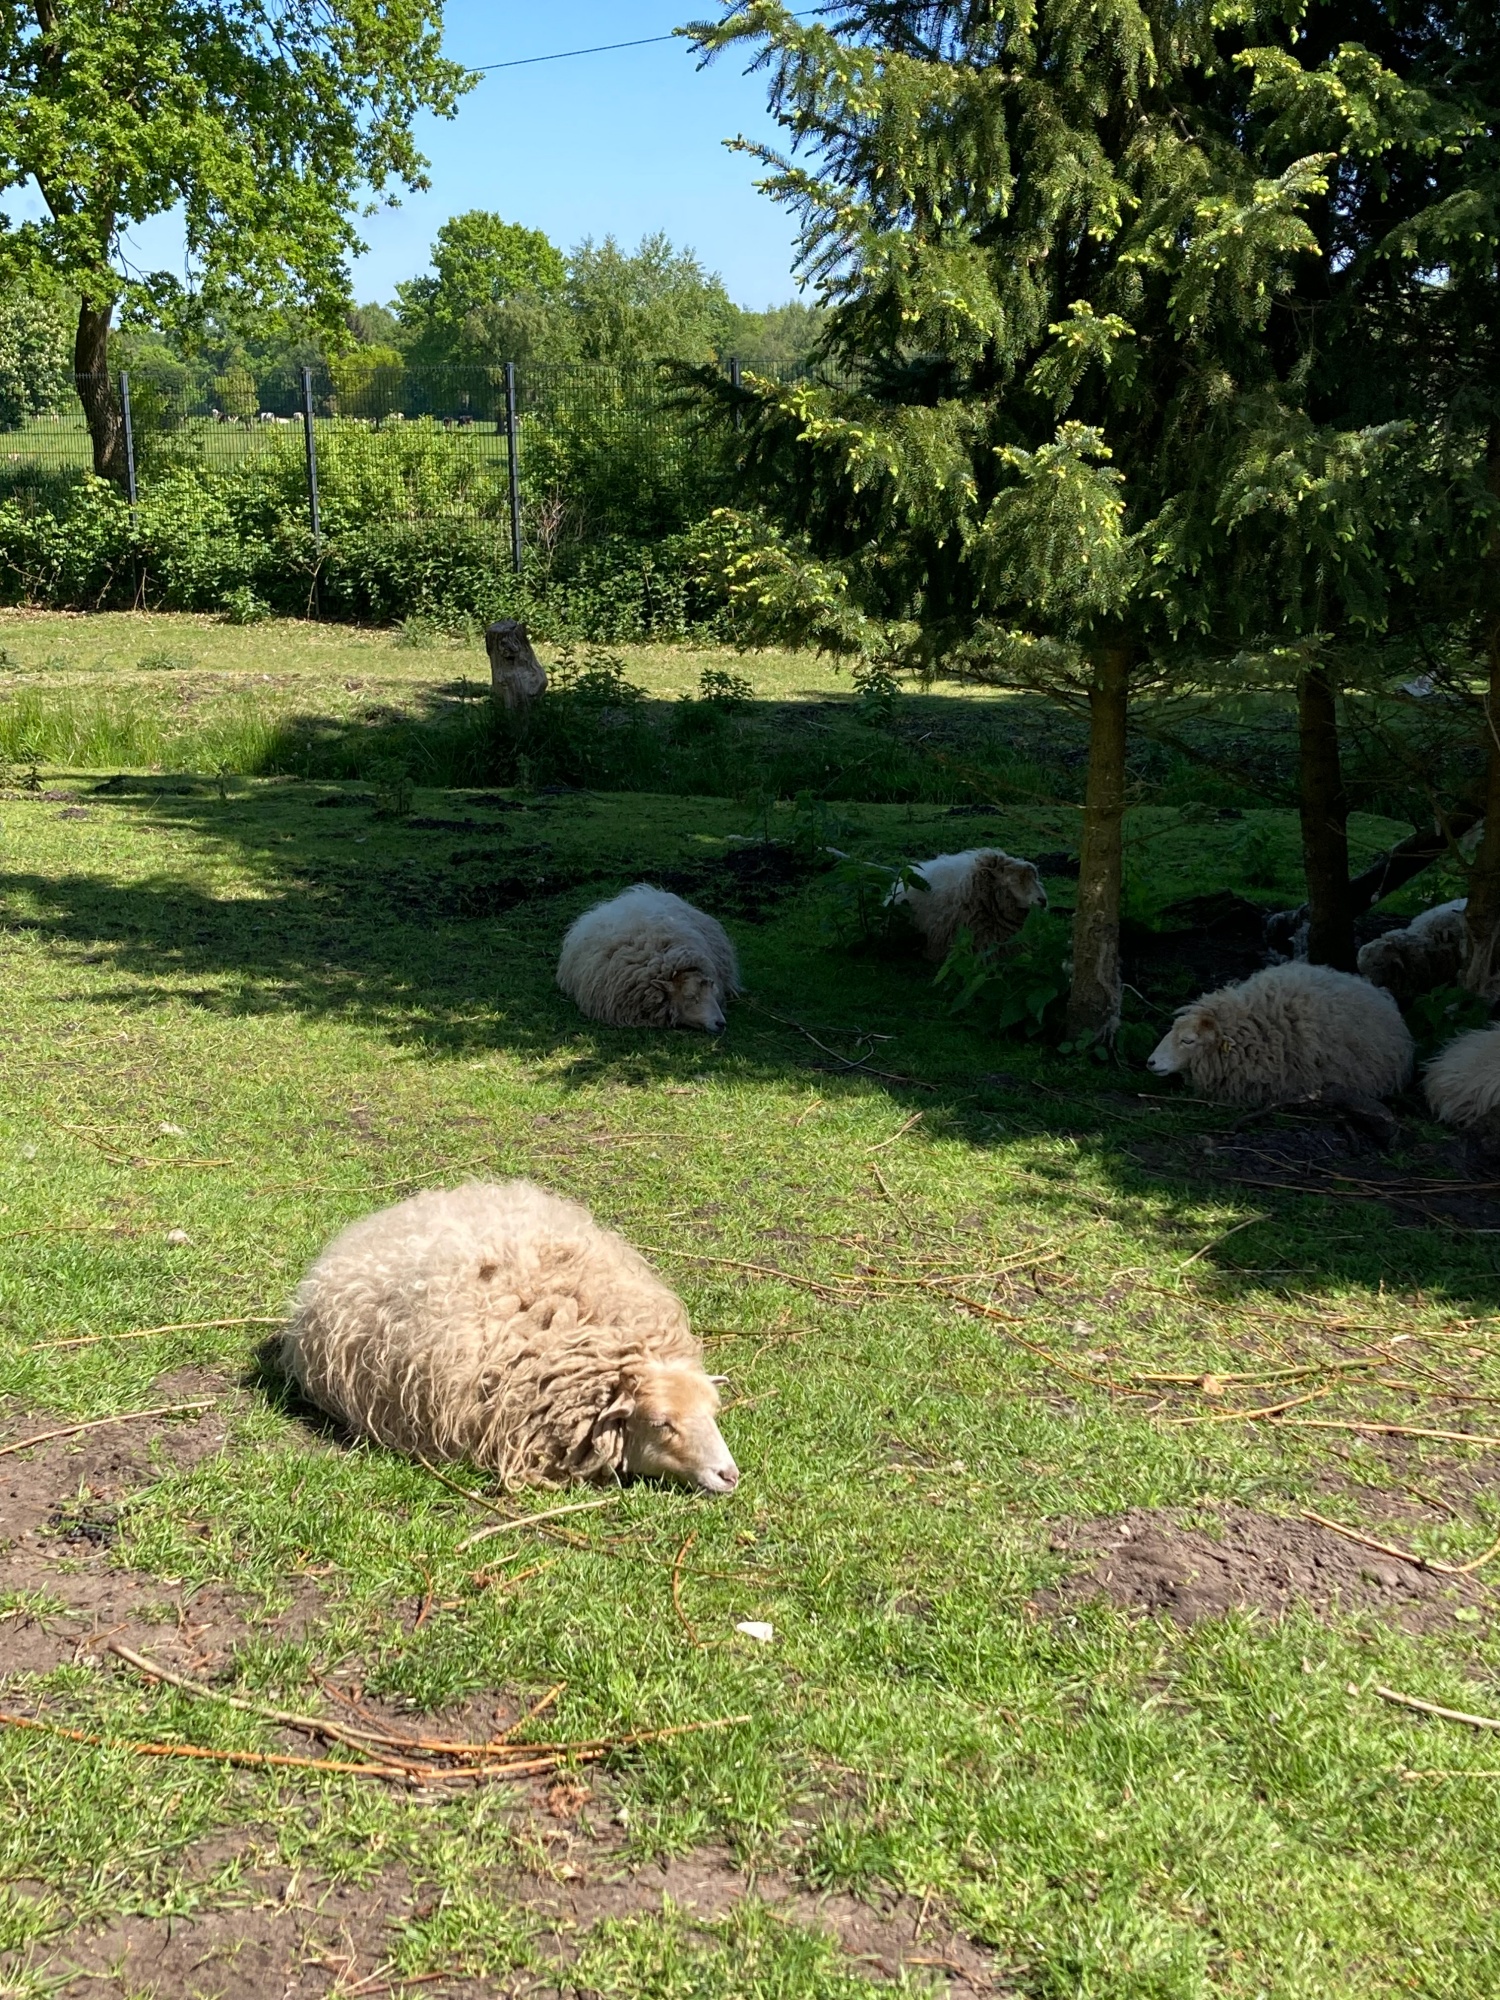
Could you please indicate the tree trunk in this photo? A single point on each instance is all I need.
(99, 396)
(1482, 973)
(1094, 999)
(1325, 824)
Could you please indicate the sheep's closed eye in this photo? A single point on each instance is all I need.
(664, 1425)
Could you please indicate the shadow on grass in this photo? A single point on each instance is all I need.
(440, 932)
(933, 749)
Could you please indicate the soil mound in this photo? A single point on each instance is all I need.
(1153, 1562)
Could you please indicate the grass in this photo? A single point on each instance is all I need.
(328, 1008)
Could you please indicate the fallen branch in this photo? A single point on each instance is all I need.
(844, 1062)
(1434, 1708)
(100, 1423)
(738, 1264)
(530, 1520)
(900, 1132)
(390, 1755)
(254, 1760)
(682, 1617)
(1035, 1347)
(1248, 1223)
(1390, 1430)
(150, 1332)
(1404, 1555)
(1251, 1416)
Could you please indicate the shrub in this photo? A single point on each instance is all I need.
(1025, 985)
(414, 524)
(241, 606)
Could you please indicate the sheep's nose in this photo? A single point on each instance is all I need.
(730, 1474)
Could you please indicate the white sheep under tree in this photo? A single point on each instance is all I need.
(1428, 952)
(501, 1324)
(1288, 1032)
(647, 959)
(984, 891)
(1463, 1080)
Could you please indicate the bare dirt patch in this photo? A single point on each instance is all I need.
(1155, 1562)
(269, 1935)
(59, 1515)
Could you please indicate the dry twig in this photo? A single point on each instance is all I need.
(100, 1423)
(150, 1332)
(1404, 1555)
(739, 1264)
(682, 1617)
(1435, 1708)
(530, 1520)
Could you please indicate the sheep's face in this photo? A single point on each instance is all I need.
(1193, 1029)
(694, 1000)
(671, 1432)
(1023, 885)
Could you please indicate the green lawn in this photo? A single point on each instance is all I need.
(242, 1011)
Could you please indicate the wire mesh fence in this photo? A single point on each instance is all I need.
(545, 454)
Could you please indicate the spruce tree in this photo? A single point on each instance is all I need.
(1066, 442)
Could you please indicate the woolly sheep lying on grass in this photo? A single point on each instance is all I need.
(1290, 1031)
(1463, 1080)
(501, 1324)
(1429, 952)
(647, 959)
(983, 891)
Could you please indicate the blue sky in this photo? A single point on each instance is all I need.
(620, 143)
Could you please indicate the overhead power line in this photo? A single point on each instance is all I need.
(562, 55)
(606, 48)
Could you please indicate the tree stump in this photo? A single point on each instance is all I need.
(518, 675)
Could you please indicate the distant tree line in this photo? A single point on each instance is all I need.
(496, 292)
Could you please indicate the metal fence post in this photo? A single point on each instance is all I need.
(515, 467)
(129, 441)
(734, 383)
(312, 458)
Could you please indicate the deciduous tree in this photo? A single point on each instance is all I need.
(264, 121)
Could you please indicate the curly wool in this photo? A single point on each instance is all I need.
(619, 959)
(1463, 1080)
(1429, 952)
(984, 891)
(1290, 1031)
(496, 1323)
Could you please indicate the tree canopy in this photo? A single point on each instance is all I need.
(265, 124)
(484, 270)
(36, 356)
(500, 292)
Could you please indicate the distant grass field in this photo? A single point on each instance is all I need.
(974, 1299)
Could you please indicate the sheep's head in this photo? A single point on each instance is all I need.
(1004, 890)
(694, 1000)
(1195, 1028)
(670, 1432)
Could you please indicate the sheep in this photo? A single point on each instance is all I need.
(1286, 1032)
(1429, 952)
(501, 1324)
(1463, 1080)
(983, 891)
(647, 959)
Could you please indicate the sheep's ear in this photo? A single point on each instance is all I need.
(608, 1433)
